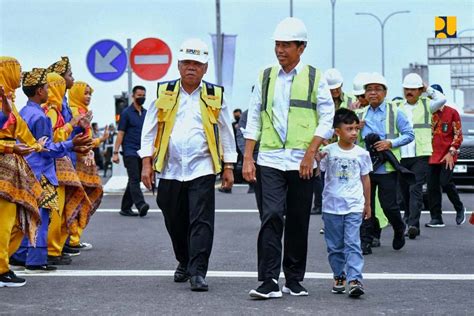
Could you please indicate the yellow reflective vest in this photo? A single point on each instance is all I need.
(167, 104)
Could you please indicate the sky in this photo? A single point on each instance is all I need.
(39, 32)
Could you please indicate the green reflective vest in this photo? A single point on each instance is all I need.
(302, 115)
(391, 130)
(421, 126)
(347, 100)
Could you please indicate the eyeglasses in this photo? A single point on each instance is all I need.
(378, 90)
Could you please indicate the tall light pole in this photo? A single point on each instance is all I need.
(382, 25)
(291, 8)
(219, 42)
(333, 4)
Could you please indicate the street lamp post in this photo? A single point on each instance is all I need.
(382, 26)
(333, 4)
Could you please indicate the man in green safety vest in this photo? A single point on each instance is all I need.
(335, 81)
(391, 125)
(415, 155)
(291, 113)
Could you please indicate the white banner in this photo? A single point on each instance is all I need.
(228, 59)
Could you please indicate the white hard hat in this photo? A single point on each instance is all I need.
(194, 49)
(334, 78)
(291, 29)
(359, 81)
(375, 77)
(412, 81)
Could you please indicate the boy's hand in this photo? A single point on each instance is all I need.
(367, 213)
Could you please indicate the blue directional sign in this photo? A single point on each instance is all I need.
(107, 60)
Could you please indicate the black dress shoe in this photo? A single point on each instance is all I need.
(398, 239)
(198, 284)
(143, 210)
(128, 212)
(181, 273)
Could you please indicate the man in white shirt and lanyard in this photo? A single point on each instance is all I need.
(186, 136)
(415, 155)
(291, 113)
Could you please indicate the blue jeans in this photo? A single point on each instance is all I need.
(343, 244)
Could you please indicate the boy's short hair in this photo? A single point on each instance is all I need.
(344, 116)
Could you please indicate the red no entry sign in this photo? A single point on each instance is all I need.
(150, 58)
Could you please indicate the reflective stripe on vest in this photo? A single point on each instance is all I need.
(167, 103)
(302, 115)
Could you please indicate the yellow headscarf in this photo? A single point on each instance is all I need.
(56, 91)
(10, 74)
(76, 97)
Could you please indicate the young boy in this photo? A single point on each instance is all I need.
(346, 201)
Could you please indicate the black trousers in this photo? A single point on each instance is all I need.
(133, 194)
(283, 191)
(258, 188)
(189, 208)
(413, 194)
(318, 187)
(388, 196)
(440, 179)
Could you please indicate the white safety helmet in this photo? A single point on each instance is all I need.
(334, 78)
(290, 29)
(375, 77)
(412, 81)
(194, 49)
(359, 81)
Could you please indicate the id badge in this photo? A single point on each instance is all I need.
(444, 127)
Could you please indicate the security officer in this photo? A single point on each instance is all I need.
(186, 136)
(392, 126)
(335, 82)
(291, 113)
(416, 154)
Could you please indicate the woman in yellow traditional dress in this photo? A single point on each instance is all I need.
(75, 213)
(79, 99)
(20, 192)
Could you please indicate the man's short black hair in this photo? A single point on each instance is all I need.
(238, 111)
(344, 116)
(31, 91)
(138, 88)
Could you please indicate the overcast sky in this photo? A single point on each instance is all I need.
(39, 32)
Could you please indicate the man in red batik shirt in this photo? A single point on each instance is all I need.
(447, 138)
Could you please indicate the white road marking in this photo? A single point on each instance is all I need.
(151, 59)
(116, 210)
(245, 274)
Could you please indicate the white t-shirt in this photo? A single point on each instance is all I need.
(343, 192)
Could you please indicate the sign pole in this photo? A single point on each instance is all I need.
(219, 41)
(129, 70)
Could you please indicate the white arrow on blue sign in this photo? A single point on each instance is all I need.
(107, 60)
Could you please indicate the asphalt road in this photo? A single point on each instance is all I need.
(129, 271)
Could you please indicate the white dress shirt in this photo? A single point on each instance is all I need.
(437, 101)
(287, 159)
(188, 156)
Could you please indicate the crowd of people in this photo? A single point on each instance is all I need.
(47, 158)
(359, 154)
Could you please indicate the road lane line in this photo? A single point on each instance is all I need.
(245, 274)
(155, 210)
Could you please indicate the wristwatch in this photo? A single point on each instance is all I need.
(228, 166)
(116, 152)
